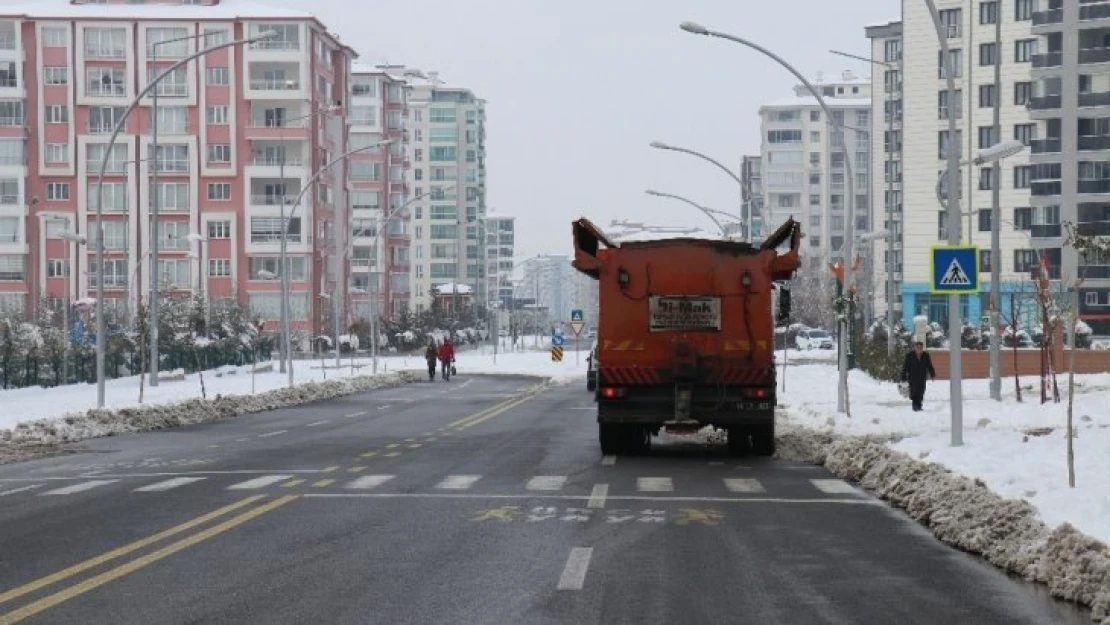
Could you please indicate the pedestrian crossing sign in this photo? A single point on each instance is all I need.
(955, 269)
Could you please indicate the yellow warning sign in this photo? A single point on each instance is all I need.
(556, 354)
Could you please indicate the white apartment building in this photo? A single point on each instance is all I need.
(500, 248)
(803, 168)
(922, 139)
(751, 174)
(1071, 179)
(446, 132)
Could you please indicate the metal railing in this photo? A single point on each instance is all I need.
(270, 200)
(1055, 16)
(272, 84)
(1048, 59)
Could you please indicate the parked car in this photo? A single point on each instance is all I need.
(591, 368)
(814, 339)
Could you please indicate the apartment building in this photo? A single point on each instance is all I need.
(975, 47)
(380, 250)
(1071, 177)
(557, 289)
(240, 131)
(500, 248)
(751, 174)
(804, 174)
(447, 135)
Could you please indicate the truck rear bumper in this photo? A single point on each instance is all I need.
(656, 406)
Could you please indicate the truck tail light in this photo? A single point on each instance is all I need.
(756, 393)
(614, 392)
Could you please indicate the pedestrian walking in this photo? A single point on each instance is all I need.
(431, 355)
(917, 365)
(447, 358)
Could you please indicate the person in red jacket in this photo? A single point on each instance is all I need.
(446, 357)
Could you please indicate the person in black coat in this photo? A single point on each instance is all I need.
(914, 369)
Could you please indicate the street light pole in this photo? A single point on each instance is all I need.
(847, 249)
(100, 325)
(659, 145)
(996, 231)
(708, 212)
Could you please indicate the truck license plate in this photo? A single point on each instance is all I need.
(669, 314)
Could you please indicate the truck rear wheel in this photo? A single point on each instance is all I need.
(637, 439)
(611, 437)
(738, 439)
(763, 439)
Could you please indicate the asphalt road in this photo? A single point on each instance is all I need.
(472, 501)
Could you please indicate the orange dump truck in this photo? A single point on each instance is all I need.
(686, 335)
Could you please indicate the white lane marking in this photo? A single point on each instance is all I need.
(76, 488)
(458, 482)
(173, 473)
(608, 461)
(574, 573)
(369, 481)
(382, 407)
(654, 484)
(597, 496)
(312, 425)
(259, 482)
(860, 501)
(241, 440)
(355, 414)
(546, 482)
(834, 487)
(269, 434)
(20, 490)
(168, 484)
(743, 485)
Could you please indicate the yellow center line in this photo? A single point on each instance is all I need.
(331, 469)
(292, 483)
(356, 469)
(122, 551)
(415, 445)
(393, 446)
(496, 412)
(323, 483)
(393, 454)
(81, 588)
(481, 414)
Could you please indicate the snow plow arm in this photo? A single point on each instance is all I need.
(588, 239)
(785, 264)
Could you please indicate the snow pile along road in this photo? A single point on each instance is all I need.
(27, 439)
(963, 512)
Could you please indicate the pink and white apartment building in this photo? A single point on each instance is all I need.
(238, 130)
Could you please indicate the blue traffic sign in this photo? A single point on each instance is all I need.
(557, 340)
(954, 269)
(576, 315)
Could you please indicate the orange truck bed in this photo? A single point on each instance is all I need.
(685, 333)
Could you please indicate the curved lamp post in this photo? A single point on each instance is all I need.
(286, 285)
(100, 330)
(708, 212)
(850, 202)
(659, 145)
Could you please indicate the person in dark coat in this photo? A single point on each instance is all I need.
(431, 355)
(914, 369)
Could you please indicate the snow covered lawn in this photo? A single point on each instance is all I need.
(1017, 449)
(532, 363)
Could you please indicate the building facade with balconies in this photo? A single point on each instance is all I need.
(240, 131)
(751, 174)
(500, 249)
(1071, 176)
(1026, 223)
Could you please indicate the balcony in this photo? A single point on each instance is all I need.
(270, 199)
(275, 84)
(1094, 143)
(1045, 146)
(1045, 188)
(1091, 56)
(1045, 103)
(1049, 59)
(1093, 228)
(1042, 18)
(1094, 186)
(1091, 12)
(1045, 231)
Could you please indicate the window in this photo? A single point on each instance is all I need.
(892, 140)
(988, 12)
(1023, 218)
(57, 191)
(114, 193)
(219, 230)
(8, 77)
(942, 104)
(56, 75)
(365, 200)
(442, 154)
(988, 54)
(9, 229)
(986, 178)
(57, 268)
(1023, 10)
(117, 158)
(159, 44)
(987, 138)
(1023, 91)
(892, 50)
(442, 116)
(57, 114)
(219, 191)
(215, 37)
(815, 136)
(105, 43)
(172, 158)
(1024, 49)
(1025, 133)
(115, 235)
(364, 115)
(173, 235)
(268, 230)
(987, 96)
(173, 120)
(9, 191)
(174, 274)
(784, 136)
(892, 81)
(217, 115)
(57, 153)
(11, 113)
(13, 268)
(364, 86)
(173, 197)
(942, 143)
(288, 36)
(1023, 176)
(55, 37)
(957, 63)
(174, 85)
(219, 153)
(1025, 261)
(103, 119)
(217, 76)
(219, 267)
(104, 82)
(951, 20)
(984, 257)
